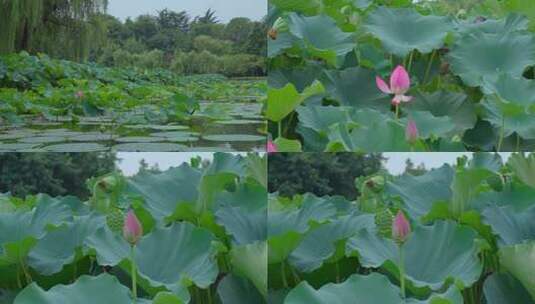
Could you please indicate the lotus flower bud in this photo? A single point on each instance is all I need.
(411, 132)
(400, 228)
(132, 229)
(271, 147)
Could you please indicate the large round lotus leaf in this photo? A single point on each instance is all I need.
(251, 261)
(371, 289)
(236, 290)
(320, 118)
(111, 248)
(284, 41)
(86, 290)
(282, 102)
(511, 116)
(370, 131)
(457, 106)
(233, 137)
(319, 244)
(58, 247)
(355, 87)
(177, 254)
(512, 227)
(431, 126)
(512, 23)
(245, 227)
(436, 183)
(285, 228)
(300, 77)
(148, 147)
(85, 147)
(182, 136)
(502, 288)
(433, 254)
(524, 168)
(42, 139)
(163, 192)
(519, 260)
(330, 45)
(8, 136)
(479, 55)
(518, 90)
(403, 30)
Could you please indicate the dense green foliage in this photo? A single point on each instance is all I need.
(319, 173)
(472, 238)
(69, 250)
(24, 174)
(186, 45)
(68, 29)
(470, 65)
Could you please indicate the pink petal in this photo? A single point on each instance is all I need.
(400, 227)
(381, 84)
(399, 80)
(405, 98)
(271, 147)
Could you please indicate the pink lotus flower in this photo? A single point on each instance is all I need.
(271, 147)
(400, 227)
(132, 229)
(399, 85)
(411, 132)
(79, 94)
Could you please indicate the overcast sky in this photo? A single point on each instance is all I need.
(225, 9)
(395, 163)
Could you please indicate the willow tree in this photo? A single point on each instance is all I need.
(62, 28)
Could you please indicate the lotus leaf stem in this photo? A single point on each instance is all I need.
(209, 293)
(397, 111)
(279, 125)
(410, 61)
(283, 274)
(133, 274)
(402, 271)
(502, 133)
(429, 65)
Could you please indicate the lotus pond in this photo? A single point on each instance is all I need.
(193, 248)
(461, 75)
(467, 236)
(61, 106)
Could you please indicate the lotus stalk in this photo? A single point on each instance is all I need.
(502, 135)
(429, 65)
(400, 231)
(132, 233)
(400, 84)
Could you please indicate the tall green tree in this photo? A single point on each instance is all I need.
(319, 173)
(61, 28)
(56, 174)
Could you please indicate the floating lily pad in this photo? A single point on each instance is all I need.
(42, 139)
(16, 147)
(158, 127)
(238, 122)
(138, 139)
(92, 137)
(234, 137)
(82, 147)
(148, 147)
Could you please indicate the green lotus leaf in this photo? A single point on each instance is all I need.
(162, 192)
(458, 259)
(430, 126)
(86, 290)
(284, 41)
(355, 87)
(403, 30)
(247, 196)
(236, 290)
(73, 148)
(111, 248)
(465, 186)
(519, 260)
(287, 145)
(502, 288)
(512, 23)
(373, 288)
(445, 103)
(58, 247)
(320, 118)
(233, 137)
(282, 102)
(526, 8)
(183, 253)
(251, 262)
(149, 147)
(524, 168)
(332, 45)
(417, 202)
(488, 55)
(319, 243)
(511, 227)
(245, 227)
(370, 131)
(22, 229)
(256, 167)
(301, 78)
(489, 161)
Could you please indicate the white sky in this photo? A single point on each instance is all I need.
(225, 9)
(395, 162)
(129, 161)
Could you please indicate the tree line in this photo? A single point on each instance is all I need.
(81, 30)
